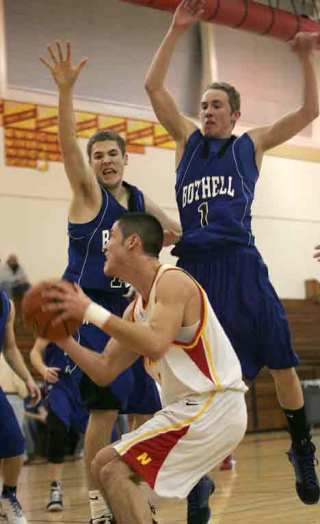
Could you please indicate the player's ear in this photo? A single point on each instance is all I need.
(133, 241)
(235, 116)
(126, 159)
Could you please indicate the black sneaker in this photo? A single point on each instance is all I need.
(198, 501)
(56, 501)
(304, 462)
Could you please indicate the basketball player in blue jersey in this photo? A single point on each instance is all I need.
(65, 409)
(12, 443)
(99, 198)
(216, 177)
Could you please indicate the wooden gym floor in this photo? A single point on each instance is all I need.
(260, 490)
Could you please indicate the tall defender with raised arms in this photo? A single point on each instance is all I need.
(215, 183)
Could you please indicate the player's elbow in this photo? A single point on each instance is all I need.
(104, 375)
(151, 86)
(311, 112)
(102, 379)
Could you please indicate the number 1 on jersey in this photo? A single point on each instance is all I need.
(203, 210)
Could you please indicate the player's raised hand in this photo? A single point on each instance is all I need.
(60, 65)
(305, 43)
(317, 253)
(188, 12)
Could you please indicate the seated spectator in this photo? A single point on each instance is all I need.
(13, 278)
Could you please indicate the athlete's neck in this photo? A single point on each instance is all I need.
(120, 193)
(142, 275)
(224, 136)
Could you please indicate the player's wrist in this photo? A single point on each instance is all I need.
(96, 315)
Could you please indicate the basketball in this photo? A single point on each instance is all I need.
(41, 321)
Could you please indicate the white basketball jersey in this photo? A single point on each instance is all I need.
(192, 365)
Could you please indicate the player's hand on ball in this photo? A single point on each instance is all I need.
(69, 302)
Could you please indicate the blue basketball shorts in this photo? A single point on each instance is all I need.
(236, 281)
(65, 402)
(12, 442)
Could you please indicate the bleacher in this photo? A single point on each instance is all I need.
(304, 321)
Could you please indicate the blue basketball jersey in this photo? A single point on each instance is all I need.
(55, 357)
(87, 242)
(214, 189)
(4, 314)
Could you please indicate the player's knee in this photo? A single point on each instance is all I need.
(113, 472)
(284, 376)
(107, 474)
(103, 457)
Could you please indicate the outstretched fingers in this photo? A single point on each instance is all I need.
(49, 66)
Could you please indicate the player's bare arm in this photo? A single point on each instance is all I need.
(86, 194)
(174, 292)
(268, 137)
(15, 359)
(49, 374)
(104, 367)
(171, 228)
(187, 13)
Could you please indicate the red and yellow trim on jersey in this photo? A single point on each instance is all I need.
(199, 349)
(146, 452)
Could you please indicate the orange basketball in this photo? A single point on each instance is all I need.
(39, 320)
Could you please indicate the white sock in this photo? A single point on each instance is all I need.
(98, 506)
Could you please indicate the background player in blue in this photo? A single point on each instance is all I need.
(99, 197)
(65, 409)
(216, 176)
(11, 439)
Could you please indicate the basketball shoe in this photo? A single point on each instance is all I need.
(228, 463)
(304, 461)
(56, 501)
(13, 510)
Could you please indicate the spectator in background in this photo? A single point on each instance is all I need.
(13, 278)
(317, 253)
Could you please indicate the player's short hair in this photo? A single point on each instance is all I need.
(233, 94)
(147, 227)
(108, 134)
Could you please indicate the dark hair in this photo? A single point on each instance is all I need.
(233, 94)
(108, 134)
(147, 227)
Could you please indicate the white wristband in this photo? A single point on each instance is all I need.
(96, 315)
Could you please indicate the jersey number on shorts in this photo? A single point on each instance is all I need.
(203, 210)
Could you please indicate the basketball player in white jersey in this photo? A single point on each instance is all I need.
(172, 324)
